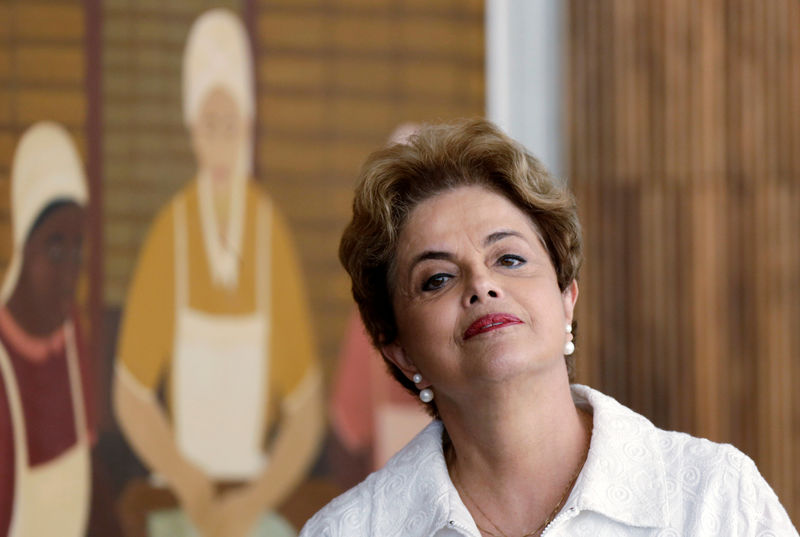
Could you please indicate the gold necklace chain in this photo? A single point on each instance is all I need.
(552, 514)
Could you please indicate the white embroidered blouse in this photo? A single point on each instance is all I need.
(637, 481)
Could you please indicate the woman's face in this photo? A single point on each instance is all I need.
(218, 134)
(51, 264)
(475, 294)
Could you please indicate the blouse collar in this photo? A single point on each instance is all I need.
(624, 477)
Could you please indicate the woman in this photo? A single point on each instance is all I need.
(45, 412)
(464, 255)
(216, 316)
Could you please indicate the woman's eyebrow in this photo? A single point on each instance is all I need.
(500, 235)
(429, 254)
(447, 256)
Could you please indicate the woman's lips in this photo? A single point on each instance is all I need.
(490, 322)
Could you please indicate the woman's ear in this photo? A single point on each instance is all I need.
(395, 353)
(569, 296)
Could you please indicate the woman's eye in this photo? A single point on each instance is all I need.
(435, 282)
(511, 261)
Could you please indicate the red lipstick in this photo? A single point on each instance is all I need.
(490, 322)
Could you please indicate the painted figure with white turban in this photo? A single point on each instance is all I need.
(46, 418)
(217, 383)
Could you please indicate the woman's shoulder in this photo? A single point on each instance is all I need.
(687, 455)
(624, 433)
(408, 492)
(694, 483)
(716, 486)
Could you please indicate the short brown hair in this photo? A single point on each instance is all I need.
(395, 179)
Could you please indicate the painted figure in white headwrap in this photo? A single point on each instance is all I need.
(216, 320)
(45, 414)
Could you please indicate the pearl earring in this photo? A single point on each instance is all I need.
(426, 394)
(569, 346)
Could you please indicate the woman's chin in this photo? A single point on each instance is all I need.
(507, 360)
(500, 363)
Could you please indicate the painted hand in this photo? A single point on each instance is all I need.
(196, 496)
(236, 513)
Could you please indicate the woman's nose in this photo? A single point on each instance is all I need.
(480, 288)
(474, 298)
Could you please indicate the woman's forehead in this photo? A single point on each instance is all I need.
(454, 223)
(59, 216)
(466, 213)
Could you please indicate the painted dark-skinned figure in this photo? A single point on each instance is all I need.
(45, 415)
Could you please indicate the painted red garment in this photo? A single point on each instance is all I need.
(362, 383)
(43, 382)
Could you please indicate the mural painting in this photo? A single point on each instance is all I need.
(180, 356)
(217, 384)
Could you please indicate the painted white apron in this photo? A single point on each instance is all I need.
(51, 498)
(220, 370)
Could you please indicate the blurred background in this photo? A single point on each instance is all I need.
(676, 123)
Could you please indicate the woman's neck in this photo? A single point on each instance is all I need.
(36, 322)
(515, 454)
(222, 209)
(220, 193)
(35, 348)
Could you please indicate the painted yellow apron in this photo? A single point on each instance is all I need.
(52, 498)
(220, 370)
